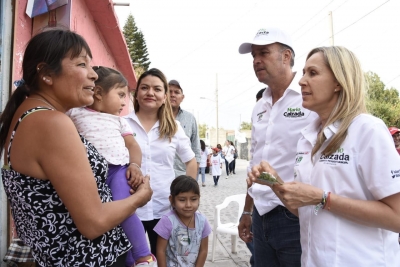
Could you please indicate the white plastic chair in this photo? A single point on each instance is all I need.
(227, 228)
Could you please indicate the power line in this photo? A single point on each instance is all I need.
(240, 94)
(318, 23)
(312, 18)
(393, 79)
(217, 34)
(360, 18)
(336, 33)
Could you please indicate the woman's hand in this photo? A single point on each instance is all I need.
(294, 194)
(256, 171)
(143, 192)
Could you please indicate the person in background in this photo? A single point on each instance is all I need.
(54, 178)
(216, 165)
(395, 132)
(101, 125)
(277, 120)
(259, 94)
(347, 174)
(203, 163)
(183, 232)
(227, 152)
(160, 137)
(235, 155)
(188, 123)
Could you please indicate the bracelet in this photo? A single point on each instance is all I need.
(321, 204)
(328, 201)
(133, 163)
(247, 213)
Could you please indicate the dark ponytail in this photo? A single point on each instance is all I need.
(16, 99)
(46, 49)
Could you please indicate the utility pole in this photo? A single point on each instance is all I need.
(216, 105)
(331, 28)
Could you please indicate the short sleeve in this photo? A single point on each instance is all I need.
(379, 162)
(206, 229)
(183, 146)
(164, 227)
(125, 128)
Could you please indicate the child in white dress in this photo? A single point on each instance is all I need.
(216, 165)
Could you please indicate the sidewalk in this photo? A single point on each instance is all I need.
(212, 196)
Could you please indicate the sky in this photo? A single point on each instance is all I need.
(196, 43)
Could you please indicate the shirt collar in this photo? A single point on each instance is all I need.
(293, 87)
(332, 129)
(311, 131)
(134, 117)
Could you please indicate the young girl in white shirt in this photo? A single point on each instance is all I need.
(101, 124)
(203, 163)
(183, 232)
(216, 165)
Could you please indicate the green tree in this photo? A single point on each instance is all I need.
(382, 102)
(136, 45)
(245, 126)
(202, 130)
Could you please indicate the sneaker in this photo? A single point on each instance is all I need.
(151, 262)
(227, 177)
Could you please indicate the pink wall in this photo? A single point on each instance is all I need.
(22, 34)
(82, 22)
(77, 17)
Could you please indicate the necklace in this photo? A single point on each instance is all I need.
(44, 101)
(187, 229)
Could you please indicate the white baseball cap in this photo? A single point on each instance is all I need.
(267, 36)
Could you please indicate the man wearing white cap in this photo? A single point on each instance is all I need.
(277, 119)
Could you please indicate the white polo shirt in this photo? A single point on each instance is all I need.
(365, 167)
(158, 156)
(274, 135)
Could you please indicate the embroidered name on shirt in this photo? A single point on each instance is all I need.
(299, 156)
(293, 113)
(338, 157)
(395, 173)
(260, 115)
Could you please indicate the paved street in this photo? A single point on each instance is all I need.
(212, 196)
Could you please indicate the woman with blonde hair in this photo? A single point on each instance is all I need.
(159, 137)
(347, 174)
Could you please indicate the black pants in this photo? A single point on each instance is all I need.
(233, 163)
(228, 167)
(148, 227)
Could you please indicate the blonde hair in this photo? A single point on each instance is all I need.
(351, 102)
(168, 126)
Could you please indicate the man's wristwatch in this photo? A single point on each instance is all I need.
(247, 213)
